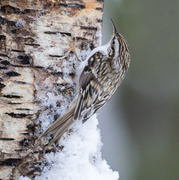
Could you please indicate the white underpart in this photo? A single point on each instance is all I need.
(116, 49)
(103, 49)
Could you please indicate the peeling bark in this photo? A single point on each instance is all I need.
(34, 37)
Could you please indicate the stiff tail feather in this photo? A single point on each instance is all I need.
(59, 127)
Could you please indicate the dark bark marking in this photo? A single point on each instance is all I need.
(24, 59)
(19, 82)
(33, 44)
(55, 56)
(2, 86)
(31, 128)
(12, 73)
(99, 9)
(56, 32)
(76, 6)
(2, 37)
(22, 115)
(3, 67)
(81, 38)
(13, 31)
(12, 96)
(23, 109)
(5, 62)
(62, 74)
(10, 9)
(7, 139)
(24, 142)
(13, 103)
(10, 162)
(89, 28)
(99, 20)
(7, 9)
(16, 50)
(4, 55)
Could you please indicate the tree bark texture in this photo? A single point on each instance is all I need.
(34, 37)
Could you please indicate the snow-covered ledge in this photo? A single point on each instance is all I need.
(80, 158)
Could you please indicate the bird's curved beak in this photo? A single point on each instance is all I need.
(114, 27)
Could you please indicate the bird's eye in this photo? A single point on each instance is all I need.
(113, 43)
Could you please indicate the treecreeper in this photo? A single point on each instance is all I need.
(100, 75)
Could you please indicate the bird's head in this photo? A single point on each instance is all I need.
(118, 47)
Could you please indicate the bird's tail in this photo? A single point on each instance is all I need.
(59, 127)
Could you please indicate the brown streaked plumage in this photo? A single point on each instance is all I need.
(101, 74)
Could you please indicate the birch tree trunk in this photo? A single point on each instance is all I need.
(35, 74)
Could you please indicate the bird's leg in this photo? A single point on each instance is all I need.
(72, 48)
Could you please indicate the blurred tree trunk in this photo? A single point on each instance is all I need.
(34, 36)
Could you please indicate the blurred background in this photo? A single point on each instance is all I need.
(140, 124)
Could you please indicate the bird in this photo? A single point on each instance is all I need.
(100, 74)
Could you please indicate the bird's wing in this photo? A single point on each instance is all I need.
(90, 94)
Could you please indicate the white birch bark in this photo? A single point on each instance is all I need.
(34, 37)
